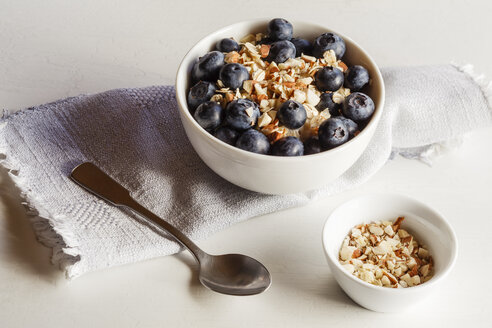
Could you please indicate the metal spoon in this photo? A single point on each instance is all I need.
(232, 274)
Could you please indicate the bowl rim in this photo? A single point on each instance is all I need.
(431, 282)
(183, 104)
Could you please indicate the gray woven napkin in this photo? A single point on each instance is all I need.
(136, 136)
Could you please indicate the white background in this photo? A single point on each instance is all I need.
(54, 49)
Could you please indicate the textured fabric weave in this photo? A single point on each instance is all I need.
(135, 135)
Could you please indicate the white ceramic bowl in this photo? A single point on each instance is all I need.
(427, 225)
(272, 174)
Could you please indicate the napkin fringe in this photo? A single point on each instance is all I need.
(50, 230)
(427, 154)
(480, 79)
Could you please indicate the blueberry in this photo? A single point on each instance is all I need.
(280, 51)
(352, 127)
(233, 75)
(326, 101)
(311, 146)
(209, 115)
(253, 141)
(200, 93)
(227, 135)
(292, 114)
(328, 41)
(288, 146)
(227, 45)
(242, 114)
(358, 107)
(356, 77)
(266, 40)
(303, 46)
(328, 79)
(332, 133)
(280, 29)
(207, 67)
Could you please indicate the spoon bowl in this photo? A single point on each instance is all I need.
(234, 274)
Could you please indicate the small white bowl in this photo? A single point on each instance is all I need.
(429, 228)
(275, 174)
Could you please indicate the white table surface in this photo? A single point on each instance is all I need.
(54, 49)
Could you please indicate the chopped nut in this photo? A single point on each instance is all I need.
(356, 233)
(367, 276)
(349, 267)
(259, 75)
(248, 86)
(299, 96)
(264, 103)
(406, 240)
(392, 242)
(330, 57)
(376, 230)
(217, 98)
(248, 38)
(289, 84)
(262, 97)
(273, 68)
(396, 225)
(423, 253)
(232, 57)
(424, 270)
(373, 239)
(389, 230)
(382, 248)
(311, 97)
(383, 256)
(357, 253)
(264, 120)
(309, 59)
(250, 111)
(229, 97)
(272, 114)
(342, 65)
(264, 50)
(346, 252)
(275, 136)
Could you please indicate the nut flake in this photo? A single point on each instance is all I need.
(264, 120)
(232, 57)
(264, 50)
(258, 75)
(250, 111)
(330, 57)
(311, 97)
(383, 254)
(248, 38)
(374, 229)
(340, 95)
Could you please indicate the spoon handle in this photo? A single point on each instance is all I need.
(93, 179)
